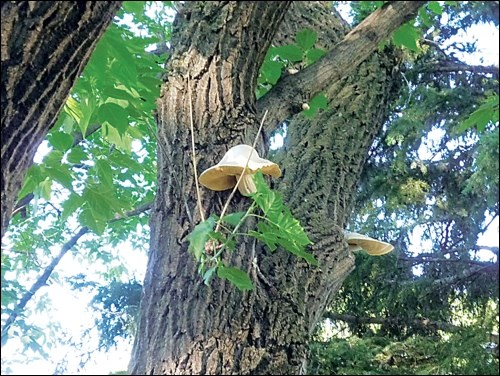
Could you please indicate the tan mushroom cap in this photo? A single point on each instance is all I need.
(374, 247)
(224, 174)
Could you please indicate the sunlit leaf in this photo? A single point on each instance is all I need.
(115, 115)
(435, 7)
(233, 219)
(199, 236)
(407, 35)
(314, 55)
(105, 172)
(61, 141)
(306, 38)
(236, 276)
(290, 52)
(76, 155)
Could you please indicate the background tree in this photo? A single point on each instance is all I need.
(102, 180)
(45, 46)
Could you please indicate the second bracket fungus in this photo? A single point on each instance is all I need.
(225, 174)
(374, 247)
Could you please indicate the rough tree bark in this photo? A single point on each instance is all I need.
(45, 45)
(186, 327)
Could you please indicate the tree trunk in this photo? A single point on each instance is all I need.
(45, 45)
(186, 327)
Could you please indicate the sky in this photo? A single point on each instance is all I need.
(71, 309)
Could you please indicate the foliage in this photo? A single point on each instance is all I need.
(118, 307)
(459, 354)
(279, 58)
(275, 227)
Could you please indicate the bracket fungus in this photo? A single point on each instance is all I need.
(374, 247)
(225, 174)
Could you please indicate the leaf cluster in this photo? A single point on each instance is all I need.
(275, 227)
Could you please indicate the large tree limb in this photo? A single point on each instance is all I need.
(42, 280)
(287, 96)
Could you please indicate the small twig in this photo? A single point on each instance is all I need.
(409, 90)
(241, 176)
(234, 232)
(198, 195)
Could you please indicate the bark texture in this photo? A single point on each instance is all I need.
(45, 45)
(186, 327)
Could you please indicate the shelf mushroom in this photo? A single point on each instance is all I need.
(374, 247)
(225, 174)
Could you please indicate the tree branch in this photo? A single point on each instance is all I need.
(420, 259)
(287, 96)
(42, 280)
(417, 323)
(463, 275)
(78, 136)
(489, 248)
(447, 67)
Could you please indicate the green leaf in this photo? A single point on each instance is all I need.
(62, 175)
(76, 155)
(45, 189)
(124, 160)
(87, 218)
(113, 136)
(269, 201)
(407, 35)
(306, 39)
(60, 140)
(136, 7)
(320, 101)
(269, 239)
(281, 228)
(271, 71)
(135, 133)
(69, 206)
(290, 52)
(104, 172)
(314, 55)
(199, 236)
(53, 158)
(234, 218)
(118, 93)
(298, 251)
(102, 201)
(236, 276)
(424, 17)
(207, 277)
(435, 7)
(34, 176)
(72, 108)
(485, 114)
(66, 123)
(87, 105)
(115, 115)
